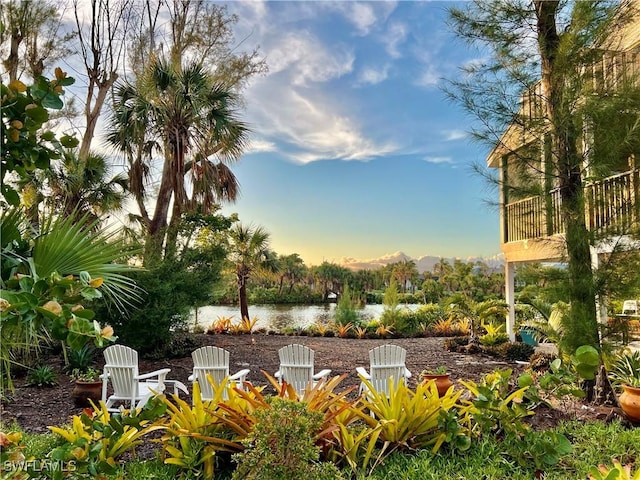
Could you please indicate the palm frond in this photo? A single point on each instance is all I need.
(69, 248)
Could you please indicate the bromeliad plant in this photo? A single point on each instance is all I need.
(96, 439)
(412, 419)
(195, 434)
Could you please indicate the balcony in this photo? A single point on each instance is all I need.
(613, 206)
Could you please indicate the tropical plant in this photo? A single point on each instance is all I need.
(246, 325)
(42, 376)
(96, 438)
(248, 250)
(494, 335)
(409, 419)
(496, 407)
(343, 330)
(220, 325)
(24, 147)
(81, 358)
(45, 281)
(89, 375)
(617, 472)
(626, 369)
(80, 188)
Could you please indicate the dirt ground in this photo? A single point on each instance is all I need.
(35, 408)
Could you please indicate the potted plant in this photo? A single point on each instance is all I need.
(88, 386)
(626, 373)
(440, 376)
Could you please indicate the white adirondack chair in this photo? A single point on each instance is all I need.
(213, 361)
(386, 361)
(129, 386)
(296, 368)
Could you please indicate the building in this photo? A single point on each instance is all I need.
(532, 228)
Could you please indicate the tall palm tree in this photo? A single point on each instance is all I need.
(195, 123)
(248, 250)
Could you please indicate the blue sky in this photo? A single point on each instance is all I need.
(356, 152)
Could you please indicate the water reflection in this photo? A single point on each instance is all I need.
(280, 317)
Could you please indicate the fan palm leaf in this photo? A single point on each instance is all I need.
(69, 248)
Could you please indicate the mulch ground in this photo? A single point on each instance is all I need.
(35, 408)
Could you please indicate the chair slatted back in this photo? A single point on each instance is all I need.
(296, 366)
(121, 363)
(386, 361)
(210, 360)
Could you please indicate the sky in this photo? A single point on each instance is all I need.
(355, 150)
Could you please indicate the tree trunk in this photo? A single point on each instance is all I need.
(242, 278)
(92, 113)
(582, 328)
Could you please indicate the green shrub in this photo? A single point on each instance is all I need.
(42, 376)
(512, 351)
(345, 313)
(80, 359)
(452, 344)
(281, 446)
(171, 291)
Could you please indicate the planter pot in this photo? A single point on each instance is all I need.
(443, 382)
(528, 337)
(85, 391)
(630, 402)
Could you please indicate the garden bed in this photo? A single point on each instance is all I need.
(35, 408)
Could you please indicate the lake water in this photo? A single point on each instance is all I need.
(280, 317)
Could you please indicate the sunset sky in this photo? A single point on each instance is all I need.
(356, 152)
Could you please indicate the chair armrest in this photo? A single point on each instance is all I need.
(240, 376)
(192, 378)
(407, 373)
(278, 374)
(363, 373)
(156, 373)
(321, 374)
(177, 385)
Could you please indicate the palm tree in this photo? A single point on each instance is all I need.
(82, 189)
(248, 250)
(198, 133)
(405, 271)
(291, 268)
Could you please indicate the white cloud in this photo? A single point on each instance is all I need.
(438, 160)
(307, 60)
(394, 37)
(428, 78)
(373, 76)
(452, 135)
(363, 15)
(259, 145)
(309, 125)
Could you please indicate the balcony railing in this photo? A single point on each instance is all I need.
(612, 206)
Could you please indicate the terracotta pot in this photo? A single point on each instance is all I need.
(85, 391)
(443, 382)
(630, 402)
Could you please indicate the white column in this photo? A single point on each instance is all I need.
(509, 279)
(601, 306)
